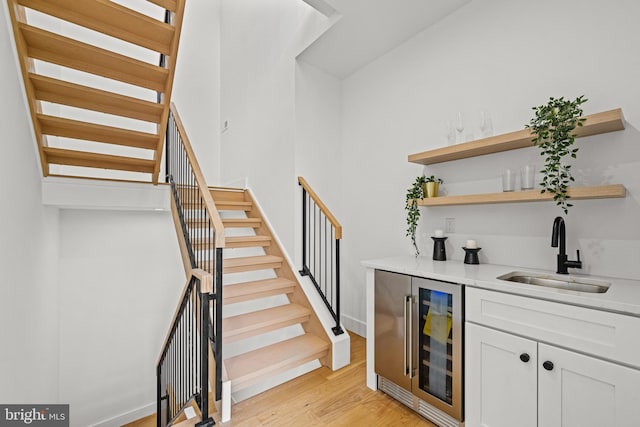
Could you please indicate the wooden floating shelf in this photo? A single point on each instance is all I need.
(607, 121)
(575, 193)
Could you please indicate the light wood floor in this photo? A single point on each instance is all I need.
(322, 398)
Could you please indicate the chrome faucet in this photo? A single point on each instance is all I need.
(558, 234)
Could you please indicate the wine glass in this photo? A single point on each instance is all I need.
(486, 125)
(459, 127)
(449, 133)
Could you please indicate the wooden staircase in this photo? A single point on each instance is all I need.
(263, 297)
(92, 79)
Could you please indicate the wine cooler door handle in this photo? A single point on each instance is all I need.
(410, 299)
(404, 336)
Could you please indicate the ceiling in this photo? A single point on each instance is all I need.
(366, 29)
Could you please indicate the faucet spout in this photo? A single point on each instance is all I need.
(558, 235)
(559, 240)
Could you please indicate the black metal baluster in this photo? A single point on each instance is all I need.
(338, 329)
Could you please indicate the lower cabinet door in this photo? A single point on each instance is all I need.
(501, 379)
(580, 391)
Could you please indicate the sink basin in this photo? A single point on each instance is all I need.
(557, 282)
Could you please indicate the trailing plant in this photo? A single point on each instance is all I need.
(415, 193)
(553, 130)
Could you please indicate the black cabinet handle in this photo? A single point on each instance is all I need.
(548, 365)
(525, 357)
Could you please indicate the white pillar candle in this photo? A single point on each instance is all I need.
(471, 244)
(438, 233)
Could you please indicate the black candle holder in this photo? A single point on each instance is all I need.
(439, 252)
(471, 255)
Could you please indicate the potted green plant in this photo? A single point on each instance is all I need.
(553, 132)
(419, 190)
(431, 186)
(414, 193)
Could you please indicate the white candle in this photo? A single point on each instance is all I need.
(471, 244)
(438, 233)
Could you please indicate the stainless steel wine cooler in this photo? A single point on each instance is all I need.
(418, 344)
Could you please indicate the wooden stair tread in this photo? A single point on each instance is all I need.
(245, 291)
(75, 129)
(257, 322)
(60, 50)
(261, 262)
(247, 241)
(61, 156)
(109, 18)
(230, 194)
(249, 368)
(227, 205)
(74, 95)
(242, 222)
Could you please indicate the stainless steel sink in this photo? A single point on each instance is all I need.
(557, 282)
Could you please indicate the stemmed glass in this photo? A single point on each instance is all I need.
(459, 127)
(449, 133)
(486, 125)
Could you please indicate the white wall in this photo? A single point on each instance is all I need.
(505, 56)
(318, 131)
(120, 279)
(28, 253)
(196, 87)
(260, 41)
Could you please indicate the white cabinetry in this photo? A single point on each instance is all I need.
(517, 377)
(501, 389)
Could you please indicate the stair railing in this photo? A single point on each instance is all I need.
(321, 235)
(182, 368)
(202, 237)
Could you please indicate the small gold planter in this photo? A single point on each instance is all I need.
(430, 189)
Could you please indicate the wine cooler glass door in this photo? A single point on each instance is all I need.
(438, 349)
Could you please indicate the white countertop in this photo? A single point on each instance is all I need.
(623, 296)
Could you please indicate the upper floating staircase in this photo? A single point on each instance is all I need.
(98, 77)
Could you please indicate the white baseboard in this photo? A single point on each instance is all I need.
(128, 417)
(354, 325)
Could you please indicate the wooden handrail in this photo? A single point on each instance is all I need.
(210, 206)
(205, 286)
(332, 219)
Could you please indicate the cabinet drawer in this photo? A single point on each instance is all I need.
(600, 333)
